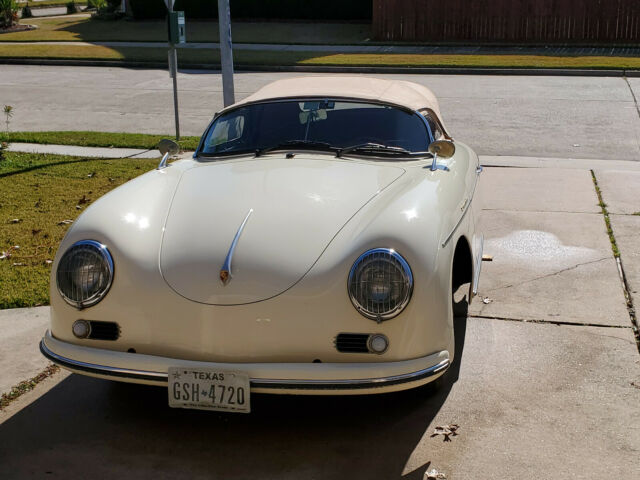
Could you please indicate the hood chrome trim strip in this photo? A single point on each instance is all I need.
(225, 271)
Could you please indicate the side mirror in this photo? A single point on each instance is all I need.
(167, 148)
(442, 148)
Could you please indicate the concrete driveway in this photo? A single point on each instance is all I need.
(532, 401)
(545, 383)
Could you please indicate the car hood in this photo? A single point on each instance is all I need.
(296, 208)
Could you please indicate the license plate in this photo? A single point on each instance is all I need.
(209, 389)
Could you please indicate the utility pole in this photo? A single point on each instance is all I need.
(226, 51)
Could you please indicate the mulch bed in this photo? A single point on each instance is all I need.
(18, 28)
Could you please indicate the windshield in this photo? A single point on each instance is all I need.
(315, 124)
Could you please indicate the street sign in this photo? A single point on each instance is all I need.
(177, 33)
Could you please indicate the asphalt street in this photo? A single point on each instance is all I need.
(533, 116)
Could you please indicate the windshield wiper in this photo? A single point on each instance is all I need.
(218, 154)
(223, 153)
(297, 144)
(375, 148)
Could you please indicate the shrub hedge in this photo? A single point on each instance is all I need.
(146, 9)
(260, 9)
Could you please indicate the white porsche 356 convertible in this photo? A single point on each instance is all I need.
(310, 246)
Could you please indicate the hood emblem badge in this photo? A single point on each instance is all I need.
(225, 271)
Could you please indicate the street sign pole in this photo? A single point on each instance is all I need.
(226, 51)
(173, 71)
(174, 37)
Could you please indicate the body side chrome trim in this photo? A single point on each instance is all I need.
(225, 271)
(464, 212)
(263, 383)
(470, 200)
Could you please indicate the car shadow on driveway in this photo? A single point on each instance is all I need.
(86, 427)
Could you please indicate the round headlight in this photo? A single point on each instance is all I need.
(85, 273)
(380, 284)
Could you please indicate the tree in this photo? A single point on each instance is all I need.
(8, 13)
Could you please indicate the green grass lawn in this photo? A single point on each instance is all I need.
(96, 139)
(511, 61)
(94, 30)
(38, 193)
(150, 55)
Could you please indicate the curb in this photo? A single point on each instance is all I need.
(339, 69)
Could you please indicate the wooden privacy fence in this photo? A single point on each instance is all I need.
(508, 21)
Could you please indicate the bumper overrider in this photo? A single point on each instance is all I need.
(305, 378)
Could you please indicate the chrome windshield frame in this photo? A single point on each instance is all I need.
(196, 154)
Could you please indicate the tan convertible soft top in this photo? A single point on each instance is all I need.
(397, 92)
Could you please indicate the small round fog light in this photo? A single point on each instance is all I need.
(81, 328)
(378, 343)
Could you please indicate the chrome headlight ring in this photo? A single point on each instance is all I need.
(85, 273)
(380, 284)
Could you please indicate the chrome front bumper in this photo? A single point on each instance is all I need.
(437, 365)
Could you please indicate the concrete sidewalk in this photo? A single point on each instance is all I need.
(47, 11)
(20, 357)
(76, 151)
(39, 11)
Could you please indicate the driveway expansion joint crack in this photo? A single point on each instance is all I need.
(23, 387)
(633, 95)
(616, 254)
(548, 322)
